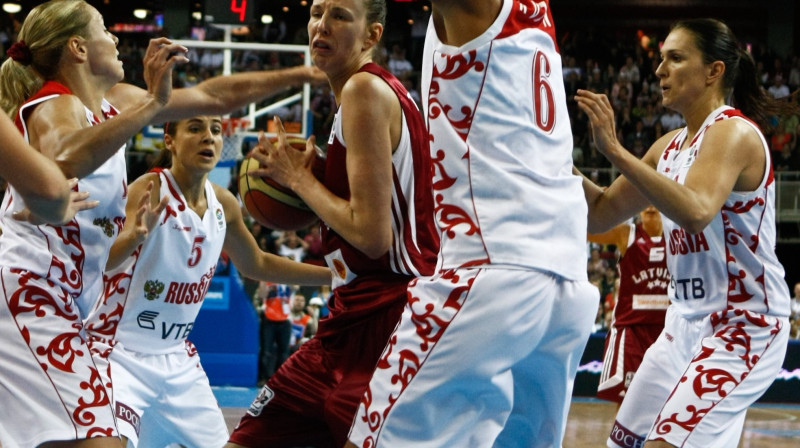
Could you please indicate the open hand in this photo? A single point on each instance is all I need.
(79, 200)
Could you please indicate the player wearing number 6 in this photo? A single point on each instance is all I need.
(487, 349)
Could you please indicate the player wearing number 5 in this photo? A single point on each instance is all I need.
(158, 272)
(487, 348)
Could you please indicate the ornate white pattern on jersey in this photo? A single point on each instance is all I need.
(151, 300)
(72, 255)
(732, 262)
(501, 144)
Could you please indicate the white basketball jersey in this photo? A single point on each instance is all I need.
(501, 145)
(732, 262)
(152, 299)
(73, 255)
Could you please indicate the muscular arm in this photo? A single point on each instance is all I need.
(254, 263)
(371, 123)
(371, 119)
(220, 94)
(59, 129)
(730, 157)
(38, 179)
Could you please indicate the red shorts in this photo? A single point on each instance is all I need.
(312, 398)
(625, 347)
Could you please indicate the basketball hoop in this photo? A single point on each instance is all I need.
(233, 134)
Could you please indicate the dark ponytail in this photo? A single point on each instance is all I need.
(716, 42)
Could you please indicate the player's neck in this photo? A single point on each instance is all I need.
(193, 189)
(460, 21)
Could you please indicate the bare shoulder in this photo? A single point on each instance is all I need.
(62, 108)
(123, 95)
(366, 87)
(734, 131)
(141, 183)
(370, 97)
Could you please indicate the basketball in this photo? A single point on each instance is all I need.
(271, 204)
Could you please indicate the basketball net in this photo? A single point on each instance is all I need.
(233, 134)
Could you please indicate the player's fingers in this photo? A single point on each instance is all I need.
(261, 157)
(86, 205)
(162, 205)
(281, 131)
(264, 145)
(258, 172)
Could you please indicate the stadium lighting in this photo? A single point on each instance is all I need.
(12, 8)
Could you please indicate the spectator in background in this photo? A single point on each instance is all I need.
(780, 138)
(630, 70)
(276, 328)
(778, 89)
(291, 246)
(323, 107)
(315, 253)
(397, 64)
(305, 319)
(794, 74)
(299, 320)
(596, 266)
(670, 120)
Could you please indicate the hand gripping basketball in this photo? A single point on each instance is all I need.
(272, 204)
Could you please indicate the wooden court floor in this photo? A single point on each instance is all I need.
(766, 426)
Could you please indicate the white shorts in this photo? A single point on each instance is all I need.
(162, 399)
(698, 379)
(481, 357)
(50, 388)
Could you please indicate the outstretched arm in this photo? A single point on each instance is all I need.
(221, 94)
(731, 157)
(256, 264)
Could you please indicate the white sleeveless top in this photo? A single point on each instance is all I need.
(732, 262)
(501, 144)
(152, 299)
(72, 256)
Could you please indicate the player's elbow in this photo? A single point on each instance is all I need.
(696, 223)
(374, 246)
(50, 201)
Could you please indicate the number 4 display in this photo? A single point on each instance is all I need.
(233, 12)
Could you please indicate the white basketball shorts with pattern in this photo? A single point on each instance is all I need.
(161, 399)
(481, 357)
(698, 379)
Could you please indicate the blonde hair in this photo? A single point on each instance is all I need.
(45, 32)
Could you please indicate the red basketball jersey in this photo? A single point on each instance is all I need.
(363, 285)
(643, 281)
